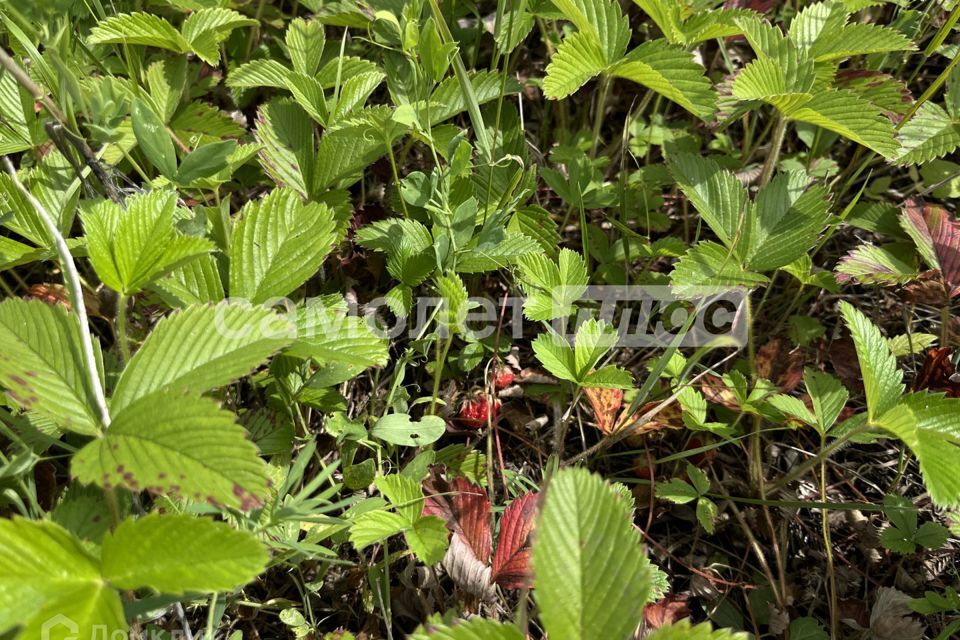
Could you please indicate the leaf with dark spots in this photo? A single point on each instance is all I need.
(464, 507)
(605, 403)
(163, 434)
(511, 561)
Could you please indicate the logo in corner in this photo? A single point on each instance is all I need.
(51, 629)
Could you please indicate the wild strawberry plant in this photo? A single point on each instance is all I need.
(301, 338)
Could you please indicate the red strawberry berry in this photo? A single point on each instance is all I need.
(476, 411)
(502, 377)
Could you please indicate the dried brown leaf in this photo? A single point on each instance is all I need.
(606, 403)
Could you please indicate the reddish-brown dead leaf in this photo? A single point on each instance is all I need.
(606, 403)
(939, 373)
(843, 356)
(715, 391)
(465, 508)
(666, 611)
(511, 561)
(668, 417)
(927, 288)
(780, 364)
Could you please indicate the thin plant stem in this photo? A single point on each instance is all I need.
(824, 454)
(441, 359)
(598, 115)
(211, 614)
(773, 157)
(71, 279)
(122, 303)
(825, 516)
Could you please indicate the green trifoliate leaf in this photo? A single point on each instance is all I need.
(404, 494)
(41, 365)
(594, 340)
(683, 630)
(278, 243)
(47, 576)
(931, 133)
(671, 72)
(473, 629)
(578, 59)
(556, 355)
(927, 424)
(305, 41)
(552, 288)
(588, 561)
(375, 526)
(408, 245)
(153, 138)
(328, 334)
(828, 396)
(710, 264)
(179, 553)
(201, 348)
(881, 378)
(178, 445)
(132, 247)
(677, 490)
(851, 116)
(205, 29)
(427, 538)
(140, 28)
(720, 199)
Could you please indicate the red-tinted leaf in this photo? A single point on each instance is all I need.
(939, 373)
(465, 508)
(511, 561)
(936, 234)
(666, 611)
